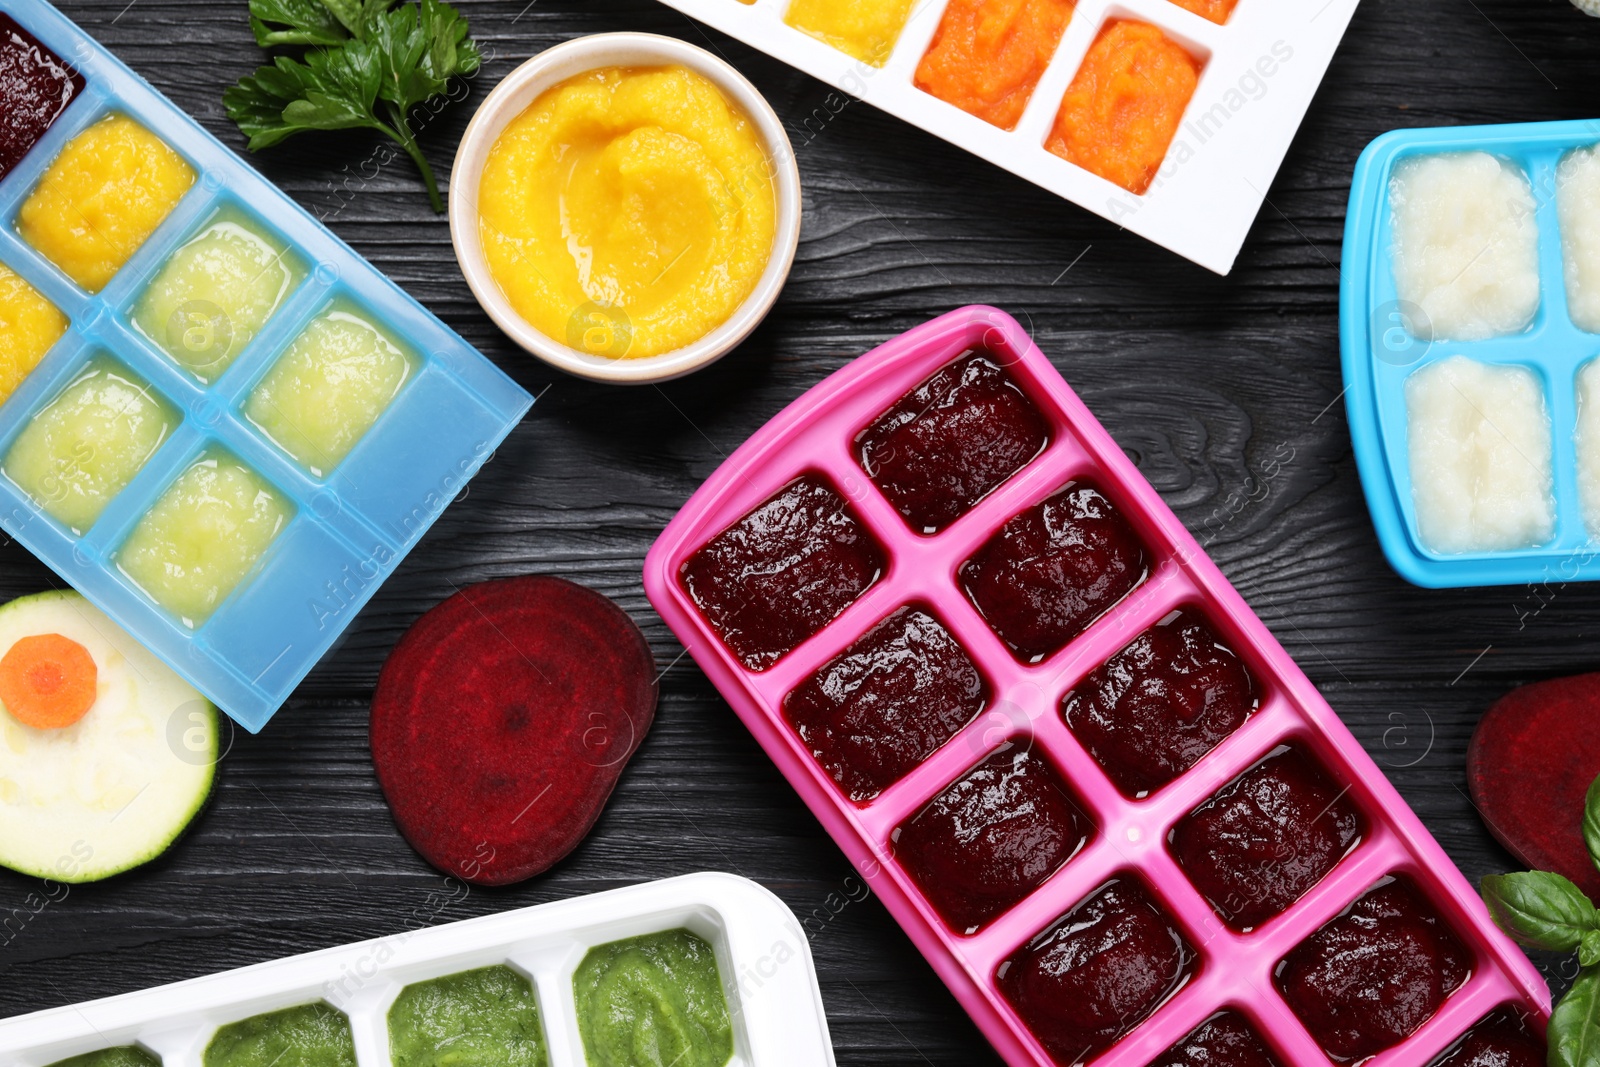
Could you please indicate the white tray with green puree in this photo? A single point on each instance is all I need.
(705, 970)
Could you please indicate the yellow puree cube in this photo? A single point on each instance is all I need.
(29, 325)
(103, 196)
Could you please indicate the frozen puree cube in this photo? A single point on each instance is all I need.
(1151, 711)
(203, 536)
(117, 1056)
(1578, 198)
(36, 87)
(991, 838)
(488, 1017)
(1224, 1040)
(1479, 438)
(29, 325)
(1260, 843)
(865, 29)
(84, 447)
(885, 704)
(1046, 575)
(951, 441)
(213, 294)
(312, 1035)
(1587, 440)
(1098, 971)
(104, 195)
(327, 390)
(1369, 978)
(1466, 244)
(783, 572)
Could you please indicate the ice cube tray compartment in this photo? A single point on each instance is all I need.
(1235, 969)
(351, 526)
(1378, 357)
(762, 953)
(1236, 130)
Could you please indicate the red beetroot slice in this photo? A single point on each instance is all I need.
(1530, 764)
(502, 721)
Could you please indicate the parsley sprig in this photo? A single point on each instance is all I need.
(1543, 910)
(367, 64)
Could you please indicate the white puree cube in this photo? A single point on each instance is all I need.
(1466, 244)
(1587, 440)
(1480, 448)
(1578, 197)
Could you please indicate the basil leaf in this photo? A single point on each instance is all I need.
(1591, 821)
(1540, 909)
(1575, 1025)
(1589, 949)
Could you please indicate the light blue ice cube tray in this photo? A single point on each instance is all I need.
(1379, 352)
(350, 529)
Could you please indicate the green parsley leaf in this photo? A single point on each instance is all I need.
(422, 47)
(368, 64)
(333, 90)
(294, 22)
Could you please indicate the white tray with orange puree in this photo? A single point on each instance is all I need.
(1252, 74)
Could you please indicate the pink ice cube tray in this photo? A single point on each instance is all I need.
(1235, 970)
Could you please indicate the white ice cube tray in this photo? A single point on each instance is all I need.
(762, 952)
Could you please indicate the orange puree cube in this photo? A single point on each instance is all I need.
(1125, 103)
(1215, 10)
(988, 55)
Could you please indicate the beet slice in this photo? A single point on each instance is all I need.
(1532, 758)
(502, 721)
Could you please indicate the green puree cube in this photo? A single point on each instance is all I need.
(312, 1035)
(203, 536)
(85, 446)
(329, 387)
(482, 1018)
(653, 1001)
(216, 292)
(120, 1056)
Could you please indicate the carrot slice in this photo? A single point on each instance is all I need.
(48, 681)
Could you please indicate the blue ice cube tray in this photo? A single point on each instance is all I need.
(352, 527)
(1380, 350)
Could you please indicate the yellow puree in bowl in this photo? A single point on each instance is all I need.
(628, 211)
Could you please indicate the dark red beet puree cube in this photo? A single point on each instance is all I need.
(1101, 970)
(1264, 840)
(1052, 570)
(1367, 980)
(887, 703)
(1151, 711)
(991, 838)
(1502, 1039)
(951, 441)
(783, 572)
(35, 88)
(1224, 1040)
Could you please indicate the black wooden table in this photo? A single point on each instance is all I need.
(1207, 382)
